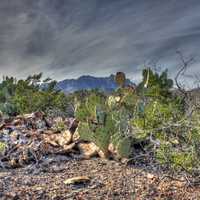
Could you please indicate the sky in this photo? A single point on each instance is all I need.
(69, 38)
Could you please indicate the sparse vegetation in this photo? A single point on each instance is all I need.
(148, 115)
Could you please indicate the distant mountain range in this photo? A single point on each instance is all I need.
(106, 84)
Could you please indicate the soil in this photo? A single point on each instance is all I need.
(108, 180)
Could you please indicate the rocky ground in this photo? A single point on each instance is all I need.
(43, 158)
(105, 180)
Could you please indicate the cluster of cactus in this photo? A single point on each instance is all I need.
(107, 120)
(95, 124)
(103, 125)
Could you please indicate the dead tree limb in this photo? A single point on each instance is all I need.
(186, 95)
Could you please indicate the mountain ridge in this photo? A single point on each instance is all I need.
(88, 82)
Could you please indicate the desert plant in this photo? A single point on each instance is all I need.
(104, 121)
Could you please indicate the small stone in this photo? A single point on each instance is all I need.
(150, 176)
(77, 180)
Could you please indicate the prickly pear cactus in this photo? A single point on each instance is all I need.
(124, 147)
(98, 133)
(85, 132)
(90, 108)
(102, 138)
(95, 124)
(100, 115)
(107, 121)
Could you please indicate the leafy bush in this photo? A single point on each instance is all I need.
(155, 85)
(30, 95)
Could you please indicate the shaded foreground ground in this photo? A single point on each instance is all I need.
(108, 180)
(37, 159)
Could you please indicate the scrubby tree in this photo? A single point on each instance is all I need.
(154, 84)
(31, 94)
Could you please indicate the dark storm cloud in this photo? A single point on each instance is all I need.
(65, 38)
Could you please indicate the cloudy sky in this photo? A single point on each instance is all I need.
(69, 38)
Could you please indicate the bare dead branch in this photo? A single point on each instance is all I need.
(185, 65)
(186, 95)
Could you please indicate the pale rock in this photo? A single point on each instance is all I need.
(28, 116)
(66, 138)
(59, 139)
(68, 148)
(102, 154)
(112, 150)
(51, 139)
(77, 180)
(76, 136)
(88, 150)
